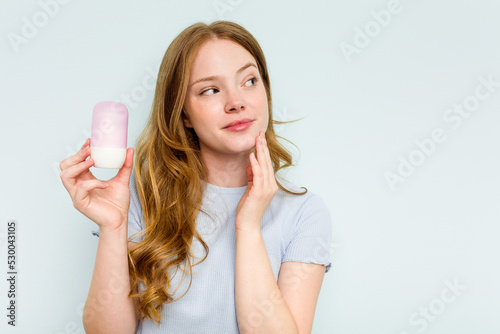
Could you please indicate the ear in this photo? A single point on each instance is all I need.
(186, 121)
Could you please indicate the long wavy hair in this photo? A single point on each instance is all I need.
(169, 170)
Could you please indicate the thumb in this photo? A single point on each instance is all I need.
(249, 174)
(125, 171)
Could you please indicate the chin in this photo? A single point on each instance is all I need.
(246, 146)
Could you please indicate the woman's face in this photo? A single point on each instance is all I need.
(225, 86)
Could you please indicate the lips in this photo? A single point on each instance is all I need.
(240, 121)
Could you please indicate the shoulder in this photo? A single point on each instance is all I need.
(301, 202)
(135, 215)
(307, 211)
(307, 231)
(133, 182)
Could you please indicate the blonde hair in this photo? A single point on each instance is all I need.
(168, 168)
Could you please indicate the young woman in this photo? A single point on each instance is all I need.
(204, 236)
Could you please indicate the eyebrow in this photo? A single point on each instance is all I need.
(214, 77)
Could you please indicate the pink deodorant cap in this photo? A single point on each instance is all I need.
(109, 134)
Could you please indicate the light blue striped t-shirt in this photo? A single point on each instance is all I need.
(294, 228)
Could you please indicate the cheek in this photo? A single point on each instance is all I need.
(259, 97)
(203, 113)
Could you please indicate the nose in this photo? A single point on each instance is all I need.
(235, 102)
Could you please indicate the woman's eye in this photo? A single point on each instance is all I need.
(209, 91)
(252, 82)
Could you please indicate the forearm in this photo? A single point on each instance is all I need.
(108, 308)
(260, 307)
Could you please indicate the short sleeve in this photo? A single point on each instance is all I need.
(135, 216)
(311, 239)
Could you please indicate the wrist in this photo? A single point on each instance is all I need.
(251, 230)
(118, 228)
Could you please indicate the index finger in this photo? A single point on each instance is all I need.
(74, 159)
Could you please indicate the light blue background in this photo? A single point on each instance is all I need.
(394, 248)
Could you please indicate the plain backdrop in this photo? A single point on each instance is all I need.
(401, 107)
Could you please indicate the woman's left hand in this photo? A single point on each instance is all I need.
(260, 190)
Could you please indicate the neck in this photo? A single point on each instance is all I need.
(226, 170)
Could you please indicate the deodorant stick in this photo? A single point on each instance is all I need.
(108, 142)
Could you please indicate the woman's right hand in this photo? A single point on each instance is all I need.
(104, 202)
